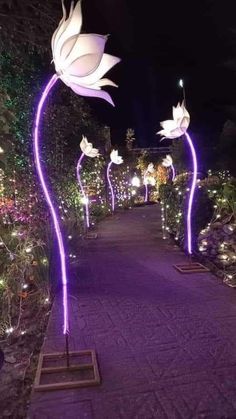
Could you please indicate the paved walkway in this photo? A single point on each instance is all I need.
(166, 342)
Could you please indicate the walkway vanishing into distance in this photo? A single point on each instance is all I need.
(166, 342)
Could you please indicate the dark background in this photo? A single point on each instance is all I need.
(160, 42)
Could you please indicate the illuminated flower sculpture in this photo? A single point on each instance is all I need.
(168, 162)
(116, 159)
(80, 63)
(87, 150)
(174, 129)
(150, 169)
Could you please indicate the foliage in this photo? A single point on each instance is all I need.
(41, 17)
(213, 220)
(174, 199)
(178, 154)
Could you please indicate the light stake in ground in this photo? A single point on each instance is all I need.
(84, 77)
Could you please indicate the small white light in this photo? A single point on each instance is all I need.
(23, 332)
(84, 200)
(28, 249)
(9, 330)
(135, 181)
(133, 192)
(24, 286)
(69, 237)
(181, 83)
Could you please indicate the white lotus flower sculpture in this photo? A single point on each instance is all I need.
(174, 128)
(79, 59)
(81, 63)
(115, 158)
(150, 168)
(168, 162)
(87, 148)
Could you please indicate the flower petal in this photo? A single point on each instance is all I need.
(71, 27)
(83, 143)
(104, 82)
(93, 153)
(168, 125)
(84, 65)
(86, 44)
(107, 62)
(177, 112)
(83, 91)
(67, 47)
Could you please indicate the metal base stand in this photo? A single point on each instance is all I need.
(63, 373)
(60, 364)
(190, 267)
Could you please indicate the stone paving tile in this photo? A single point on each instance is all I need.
(165, 342)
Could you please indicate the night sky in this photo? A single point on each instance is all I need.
(160, 42)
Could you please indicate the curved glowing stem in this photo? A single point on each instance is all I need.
(173, 172)
(52, 208)
(111, 187)
(191, 195)
(146, 186)
(86, 201)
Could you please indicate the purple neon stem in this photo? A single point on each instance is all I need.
(173, 172)
(86, 205)
(111, 187)
(191, 195)
(55, 217)
(146, 187)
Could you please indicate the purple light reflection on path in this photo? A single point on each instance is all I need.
(173, 172)
(52, 208)
(191, 195)
(86, 204)
(111, 187)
